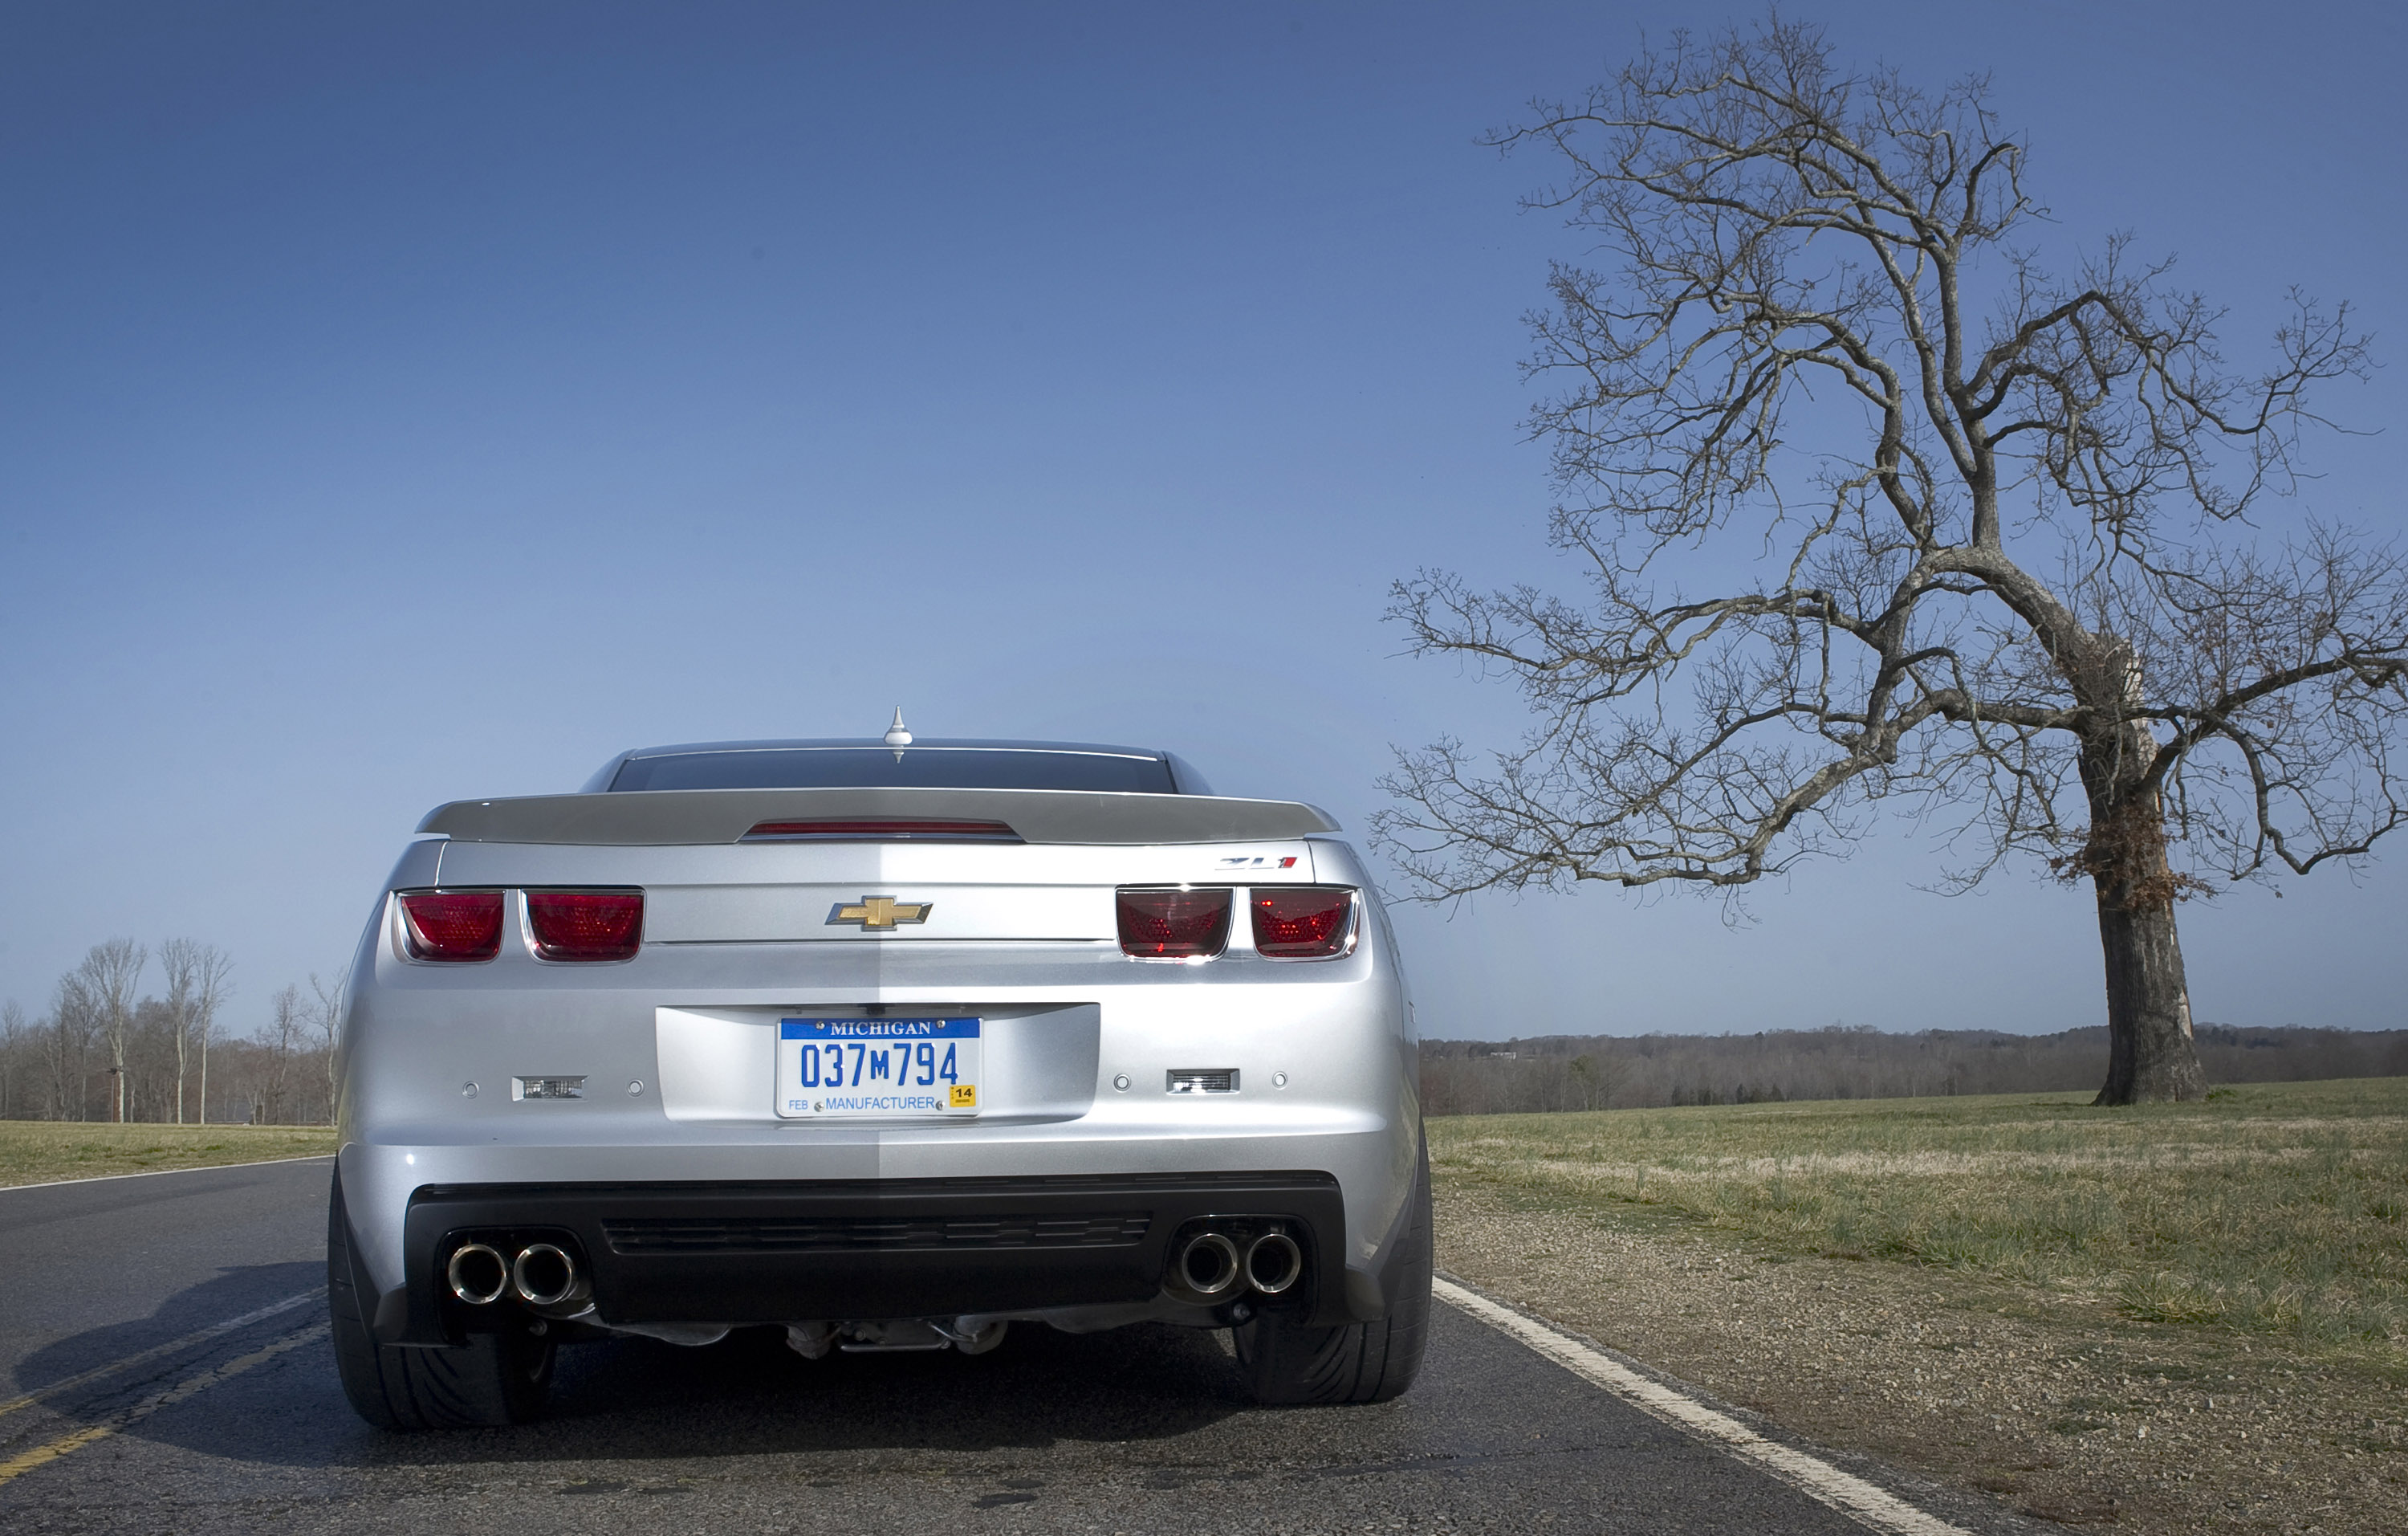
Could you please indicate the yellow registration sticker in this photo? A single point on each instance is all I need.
(965, 1096)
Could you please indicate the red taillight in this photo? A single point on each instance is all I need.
(586, 924)
(452, 925)
(1174, 924)
(861, 829)
(1303, 922)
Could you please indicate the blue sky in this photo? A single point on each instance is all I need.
(404, 403)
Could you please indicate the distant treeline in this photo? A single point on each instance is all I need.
(107, 1050)
(1635, 1071)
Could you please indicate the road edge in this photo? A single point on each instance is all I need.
(1809, 1470)
(157, 1173)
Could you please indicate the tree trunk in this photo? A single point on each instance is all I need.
(2151, 1057)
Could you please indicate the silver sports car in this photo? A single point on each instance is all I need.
(887, 1044)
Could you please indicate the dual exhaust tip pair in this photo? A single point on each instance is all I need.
(1212, 1264)
(541, 1275)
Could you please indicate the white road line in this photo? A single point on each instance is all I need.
(142, 1357)
(1852, 1496)
(157, 1173)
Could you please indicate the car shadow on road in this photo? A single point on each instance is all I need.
(637, 1399)
(232, 1293)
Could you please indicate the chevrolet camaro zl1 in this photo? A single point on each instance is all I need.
(888, 1044)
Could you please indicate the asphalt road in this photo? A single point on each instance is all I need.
(139, 1425)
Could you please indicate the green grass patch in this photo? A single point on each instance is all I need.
(2279, 1209)
(44, 1151)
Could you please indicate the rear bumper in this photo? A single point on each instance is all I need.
(758, 1251)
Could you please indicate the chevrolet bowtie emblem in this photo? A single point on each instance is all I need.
(879, 914)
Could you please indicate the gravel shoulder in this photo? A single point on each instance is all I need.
(2060, 1406)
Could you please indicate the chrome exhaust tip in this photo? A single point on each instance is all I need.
(1273, 1263)
(545, 1276)
(1209, 1265)
(479, 1274)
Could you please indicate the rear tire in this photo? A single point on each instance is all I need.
(494, 1379)
(1288, 1361)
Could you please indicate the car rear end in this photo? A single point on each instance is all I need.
(888, 1066)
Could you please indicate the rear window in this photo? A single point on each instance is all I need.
(878, 768)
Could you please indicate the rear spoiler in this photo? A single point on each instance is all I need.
(656, 816)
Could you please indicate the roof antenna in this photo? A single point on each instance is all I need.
(896, 736)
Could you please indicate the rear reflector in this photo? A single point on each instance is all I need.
(1174, 924)
(452, 925)
(586, 924)
(1303, 922)
(857, 831)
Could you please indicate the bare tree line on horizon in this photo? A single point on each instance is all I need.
(1569, 1072)
(106, 1052)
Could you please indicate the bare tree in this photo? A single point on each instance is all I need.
(74, 1023)
(196, 985)
(180, 959)
(207, 987)
(1972, 537)
(15, 1035)
(327, 1018)
(1591, 1081)
(109, 974)
(287, 1024)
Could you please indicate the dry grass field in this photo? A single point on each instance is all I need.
(45, 1151)
(2275, 1209)
(2182, 1318)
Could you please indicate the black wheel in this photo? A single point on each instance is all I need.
(1286, 1360)
(494, 1379)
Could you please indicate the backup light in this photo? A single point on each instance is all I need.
(1174, 924)
(858, 829)
(586, 924)
(452, 925)
(1201, 1080)
(1303, 922)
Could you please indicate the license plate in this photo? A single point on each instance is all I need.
(867, 1068)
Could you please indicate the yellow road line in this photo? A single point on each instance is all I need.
(42, 1455)
(154, 1352)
